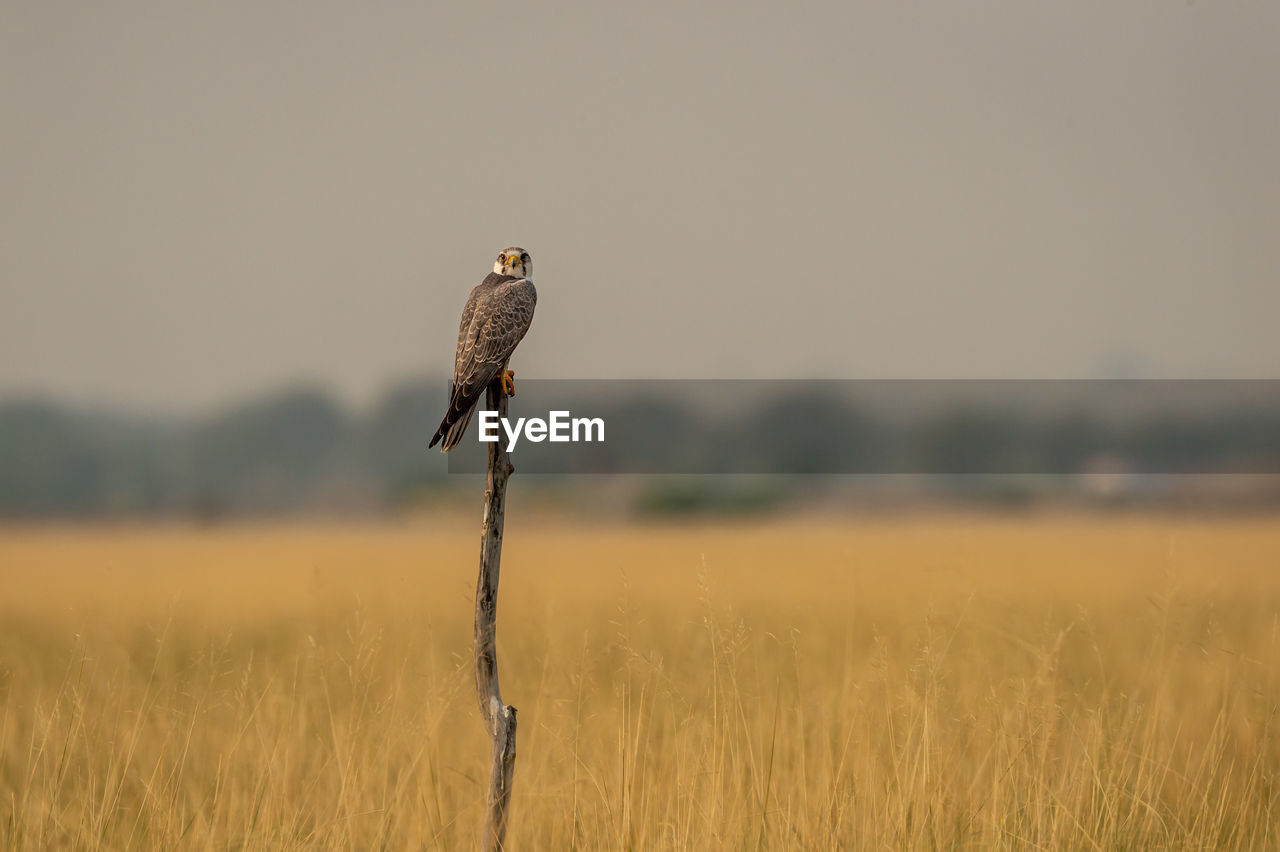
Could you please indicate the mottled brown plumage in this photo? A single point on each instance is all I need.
(494, 320)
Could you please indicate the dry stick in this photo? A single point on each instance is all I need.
(499, 718)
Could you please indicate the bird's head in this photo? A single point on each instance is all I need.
(514, 260)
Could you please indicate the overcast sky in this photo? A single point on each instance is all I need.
(202, 201)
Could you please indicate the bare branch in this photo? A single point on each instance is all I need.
(499, 718)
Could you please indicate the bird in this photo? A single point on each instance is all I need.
(494, 321)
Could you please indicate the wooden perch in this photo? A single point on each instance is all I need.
(499, 718)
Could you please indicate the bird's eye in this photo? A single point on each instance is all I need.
(524, 258)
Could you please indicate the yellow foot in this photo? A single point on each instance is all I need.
(509, 383)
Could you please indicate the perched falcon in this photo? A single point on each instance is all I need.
(495, 319)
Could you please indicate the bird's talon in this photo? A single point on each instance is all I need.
(509, 383)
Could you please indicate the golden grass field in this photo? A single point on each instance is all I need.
(918, 682)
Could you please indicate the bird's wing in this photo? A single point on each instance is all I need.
(465, 332)
(494, 321)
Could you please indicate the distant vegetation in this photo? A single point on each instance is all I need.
(299, 450)
(292, 450)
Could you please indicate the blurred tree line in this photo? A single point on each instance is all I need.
(296, 449)
(299, 450)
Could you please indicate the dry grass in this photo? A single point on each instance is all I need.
(942, 682)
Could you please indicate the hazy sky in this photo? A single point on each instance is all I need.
(199, 201)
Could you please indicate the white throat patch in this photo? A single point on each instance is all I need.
(517, 269)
